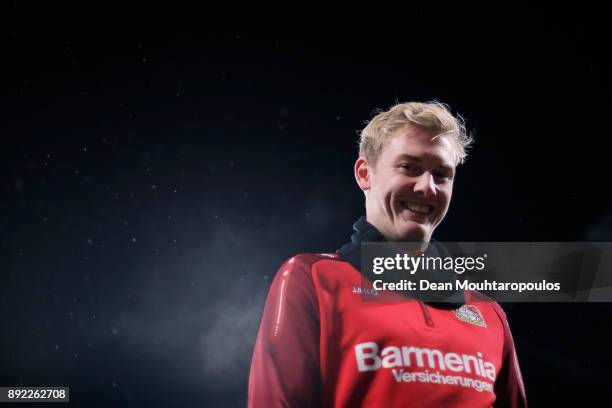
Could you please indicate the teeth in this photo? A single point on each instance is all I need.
(418, 208)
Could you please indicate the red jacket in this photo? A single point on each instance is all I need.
(321, 345)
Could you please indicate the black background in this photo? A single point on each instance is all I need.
(159, 165)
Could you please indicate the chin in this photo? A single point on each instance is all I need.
(414, 233)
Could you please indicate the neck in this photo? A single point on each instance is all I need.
(413, 236)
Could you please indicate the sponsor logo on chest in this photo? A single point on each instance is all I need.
(411, 364)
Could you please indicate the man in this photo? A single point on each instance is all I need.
(321, 345)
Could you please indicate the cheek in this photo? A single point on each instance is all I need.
(387, 186)
(445, 196)
(395, 188)
(399, 183)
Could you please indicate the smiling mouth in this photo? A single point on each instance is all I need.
(417, 208)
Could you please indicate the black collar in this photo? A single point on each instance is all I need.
(366, 232)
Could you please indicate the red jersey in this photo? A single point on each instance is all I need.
(321, 345)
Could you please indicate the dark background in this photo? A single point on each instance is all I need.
(159, 165)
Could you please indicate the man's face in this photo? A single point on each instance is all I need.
(409, 189)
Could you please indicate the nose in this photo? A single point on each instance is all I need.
(425, 184)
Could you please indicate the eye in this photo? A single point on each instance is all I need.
(410, 168)
(443, 176)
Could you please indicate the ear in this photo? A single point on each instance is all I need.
(362, 173)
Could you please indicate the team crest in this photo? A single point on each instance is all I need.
(470, 314)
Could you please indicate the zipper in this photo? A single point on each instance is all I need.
(426, 315)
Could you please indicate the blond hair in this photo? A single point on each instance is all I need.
(433, 117)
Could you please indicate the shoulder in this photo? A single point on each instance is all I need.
(303, 262)
(301, 268)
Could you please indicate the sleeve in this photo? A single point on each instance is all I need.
(509, 387)
(285, 365)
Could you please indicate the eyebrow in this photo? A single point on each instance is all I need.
(410, 157)
(418, 159)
